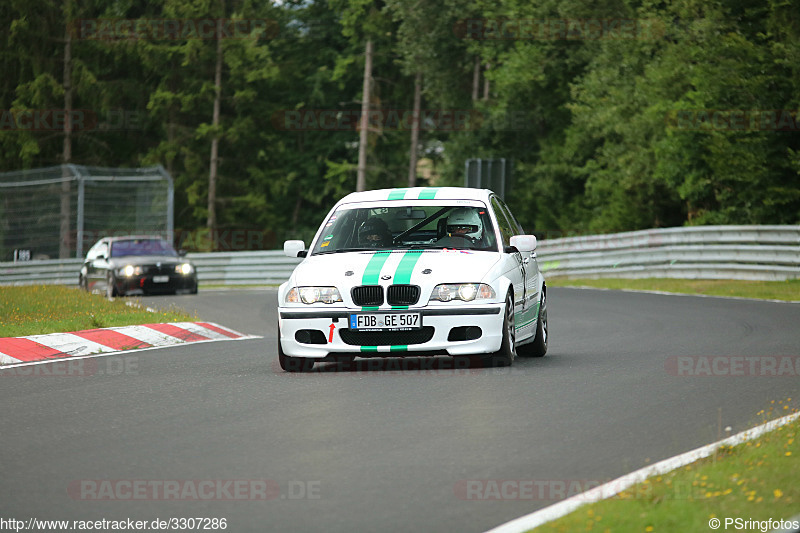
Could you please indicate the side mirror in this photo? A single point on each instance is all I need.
(294, 248)
(181, 253)
(524, 243)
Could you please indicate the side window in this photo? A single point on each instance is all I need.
(503, 224)
(514, 224)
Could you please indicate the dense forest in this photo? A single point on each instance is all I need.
(617, 114)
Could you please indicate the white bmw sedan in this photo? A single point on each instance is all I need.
(413, 272)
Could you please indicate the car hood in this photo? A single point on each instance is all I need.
(425, 268)
(147, 260)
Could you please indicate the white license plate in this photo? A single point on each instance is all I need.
(386, 322)
(160, 279)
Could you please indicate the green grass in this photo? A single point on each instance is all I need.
(767, 290)
(38, 309)
(755, 480)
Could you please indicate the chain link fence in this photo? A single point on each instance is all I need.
(59, 212)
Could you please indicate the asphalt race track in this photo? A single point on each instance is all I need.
(390, 447)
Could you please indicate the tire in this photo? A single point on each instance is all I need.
(293, 364)
(538, 348)
(505, 355)
(111, 287)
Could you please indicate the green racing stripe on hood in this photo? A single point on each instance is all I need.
(406, 267)
(372, 272)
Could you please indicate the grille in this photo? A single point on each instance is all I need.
(153, 270)
(386, 338)
(402, 294)
(367, 295)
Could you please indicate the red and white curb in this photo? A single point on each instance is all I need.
(33, 348)
(612, 488)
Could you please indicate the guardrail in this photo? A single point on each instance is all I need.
(770, 253)
(703, 252)
(243, 268)
(220, 268)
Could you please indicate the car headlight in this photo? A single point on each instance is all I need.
(184, 269)
(311, 295)
(130, 270)
(462, 291)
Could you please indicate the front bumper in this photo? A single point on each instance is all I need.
(144, 284)
(446, 330)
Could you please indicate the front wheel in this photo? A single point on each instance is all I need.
(538, 348)
(505, 355)
(111, 287)
(293, 364)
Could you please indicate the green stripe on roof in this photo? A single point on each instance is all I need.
(429, 193)
(398, 194)
(399, 348)
(406, 267)
(369, 348)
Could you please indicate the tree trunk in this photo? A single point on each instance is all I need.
(296, 213)
(361, 178)
(476, 78)
(212, 173)
(412, 163)
(66, 156)
(486, 82)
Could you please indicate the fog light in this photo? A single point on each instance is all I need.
(445, 294)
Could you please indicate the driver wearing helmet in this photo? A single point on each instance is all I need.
(465, 222)
(374, 233)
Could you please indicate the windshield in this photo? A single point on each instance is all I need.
(418, 227)
(141, 247)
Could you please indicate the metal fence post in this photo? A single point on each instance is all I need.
(170, 202)
(80, 215)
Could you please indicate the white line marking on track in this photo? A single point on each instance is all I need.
(607, 490)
